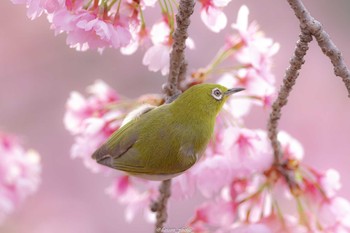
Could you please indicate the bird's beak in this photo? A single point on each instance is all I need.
(233, 90)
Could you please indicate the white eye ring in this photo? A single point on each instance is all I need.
(216, 93)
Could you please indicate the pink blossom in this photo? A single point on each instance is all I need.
(139, 36)
(35, 8)
(150, 3)
(330, 182)
(86, 30)
(216, 213)
(254, 50)
(126, 190)
(79, 109)
(92, 121)
(213, 18)
(212, 15)
(95, 132)
(250, 228)
(292, 149)
(221, 3)
(19, 174)
(335, 215)
(157, 58)
(249, 150)
(183, 186)
(212, 174)
(160, 32)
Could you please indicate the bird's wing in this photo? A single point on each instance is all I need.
(120, 144)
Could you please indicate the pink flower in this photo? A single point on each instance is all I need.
(334, 215)
(250, 228)
(19, 174)
(212, 15)
(330, 182)
(86, 30)
(139, 36)
(217, 213)
(213, 18)
(212, 174)
(292, 149)
(248, 150)
(126, 190)
(35, 8)
(183, 186)
(157, 58)
(255, 50)
(79, 109)
(92, 120)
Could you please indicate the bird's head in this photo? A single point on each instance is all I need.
(207, 97)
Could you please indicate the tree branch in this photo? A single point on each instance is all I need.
(177, 55)
(161, 205)
(291, 75)
(309, 27)
(307, 22)
(177, 73)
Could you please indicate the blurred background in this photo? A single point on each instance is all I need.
(38, 71)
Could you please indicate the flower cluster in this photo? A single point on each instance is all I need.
(245, 61)
(268, 201)
(91, 120)
(94, 24)
(19, 174)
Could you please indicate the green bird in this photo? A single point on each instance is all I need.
(167, 140)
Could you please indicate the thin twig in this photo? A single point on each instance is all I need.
(291, 75)
(309, 23)
(177, 72)
(177, 55)
(161, 205)
(309, 27)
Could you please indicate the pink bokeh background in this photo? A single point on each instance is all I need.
(38, 71)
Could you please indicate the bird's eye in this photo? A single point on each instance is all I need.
(216, 93)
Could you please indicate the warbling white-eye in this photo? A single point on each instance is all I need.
(167, 140)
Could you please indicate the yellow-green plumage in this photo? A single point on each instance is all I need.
(166, 140)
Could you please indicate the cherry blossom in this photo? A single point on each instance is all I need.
(92, 120)
(20, 172)
(255, 49)
(86, 30)
(213, 18)
(126, 190)
(212, 15)
(157, 58)
(35, 8)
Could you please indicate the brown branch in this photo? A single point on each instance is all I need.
(309, 27)
(307, 22)
(161, 205)
(177, 55)
(291, 75)
(177, 73)
(182, 75)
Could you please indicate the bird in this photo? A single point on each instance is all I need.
(165, 141)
